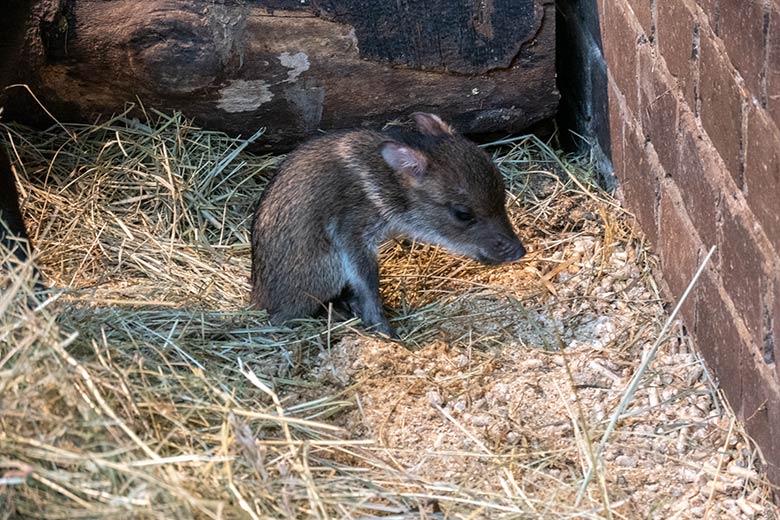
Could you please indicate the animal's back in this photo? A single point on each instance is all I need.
(295, 268)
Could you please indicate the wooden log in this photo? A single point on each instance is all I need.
(289, 65)
(11, 223)
(12, 36)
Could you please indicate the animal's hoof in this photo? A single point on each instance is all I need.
(387, 331)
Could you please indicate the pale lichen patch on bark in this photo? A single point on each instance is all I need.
(244, 95)
(298, 63)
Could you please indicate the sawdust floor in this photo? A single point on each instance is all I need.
(522, 356)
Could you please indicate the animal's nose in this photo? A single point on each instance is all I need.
(509, 249)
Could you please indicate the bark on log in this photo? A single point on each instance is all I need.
(292, 66)
(11, 41)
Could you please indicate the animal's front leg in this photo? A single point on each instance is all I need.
(362, 271)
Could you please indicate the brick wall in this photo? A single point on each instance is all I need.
(693, 135)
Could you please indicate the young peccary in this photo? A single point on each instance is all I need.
(334, 200)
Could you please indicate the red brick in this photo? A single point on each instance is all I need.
(718, 338)
(750, 387)
(694, 177)
(743, 37)
(641, 9)
(659, 108)
(617, 119)
(773, 67)
(620, 35)
(639, 182)
(679, 246)
(770, 447)
(762, 173)
(753, 408)
(721, 104)
(675, 26)
(772, 339)
(711, 10)
(741, 262)
(759, 409)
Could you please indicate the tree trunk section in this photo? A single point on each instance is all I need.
(291, 66)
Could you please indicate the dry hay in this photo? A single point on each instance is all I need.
(141, 387)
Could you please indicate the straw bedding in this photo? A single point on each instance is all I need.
(140, 386)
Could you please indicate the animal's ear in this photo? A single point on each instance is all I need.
(404, 159)
(431, 124)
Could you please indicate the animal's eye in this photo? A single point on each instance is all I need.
(462, 213)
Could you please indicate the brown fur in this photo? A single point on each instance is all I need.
(335, 199)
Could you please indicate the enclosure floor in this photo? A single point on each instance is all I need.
(142, 386)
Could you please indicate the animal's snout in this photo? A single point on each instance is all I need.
(500, 249)
(508, 249)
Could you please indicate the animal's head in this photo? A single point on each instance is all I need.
(456, 194)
